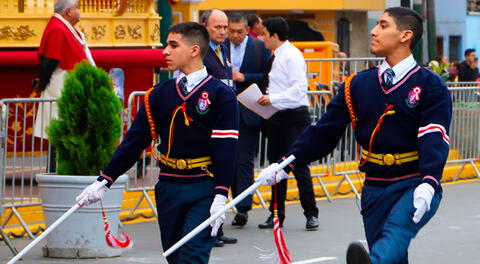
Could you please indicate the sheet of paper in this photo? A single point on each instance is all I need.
(249, 99)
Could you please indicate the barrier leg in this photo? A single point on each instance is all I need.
(475, 168)
(457, 176)
(154, 208)
(8, 242)
(262, 202)
(354, 189)
(324, 188)
(22, 222)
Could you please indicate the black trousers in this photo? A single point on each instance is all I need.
(247, 146)
(282, 129)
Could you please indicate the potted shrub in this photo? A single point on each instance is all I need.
(85, 136)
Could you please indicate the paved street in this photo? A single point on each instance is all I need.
(451, 237)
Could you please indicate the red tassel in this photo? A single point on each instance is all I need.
(125, 242)
(282, 250)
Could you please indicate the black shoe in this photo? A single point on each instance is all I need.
(356, 254)
(312, 223)
(240, 219)
(227, 240)
(218, 243)
(269, 223)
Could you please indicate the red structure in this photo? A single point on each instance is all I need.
(18, 68)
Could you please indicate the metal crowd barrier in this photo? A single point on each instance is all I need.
(328, 73)
(22, 156)
(465, 126)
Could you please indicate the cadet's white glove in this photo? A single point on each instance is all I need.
(218, 203)
(422, 197)
(267, 175)
(92, 193)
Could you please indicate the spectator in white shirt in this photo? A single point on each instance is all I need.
(287, 90)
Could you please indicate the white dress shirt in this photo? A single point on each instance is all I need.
(236, 54)
(194, 78)
(400, 69)
(288, 83)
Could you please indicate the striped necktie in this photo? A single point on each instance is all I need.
(182, 84)
(388, 77)
(219, 54)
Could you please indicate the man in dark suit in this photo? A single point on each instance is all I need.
(217, 62)
(249, 58)
(217, 59)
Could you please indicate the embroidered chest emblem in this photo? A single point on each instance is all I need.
(203, 103)
(413, 97)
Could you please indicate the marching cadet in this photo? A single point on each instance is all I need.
(196, 117)
(401, 114)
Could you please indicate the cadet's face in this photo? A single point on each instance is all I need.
(385, 36)
(237, 32)
(178, 52)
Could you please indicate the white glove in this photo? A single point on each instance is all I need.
(92, 193)
(267, 176)
(422, 197)
(218, 203)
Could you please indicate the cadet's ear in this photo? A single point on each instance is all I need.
(406, 35)
(195, 51)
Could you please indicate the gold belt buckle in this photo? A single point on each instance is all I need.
(389, 159)
(181, 164)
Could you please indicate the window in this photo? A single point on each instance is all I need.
(454, 48)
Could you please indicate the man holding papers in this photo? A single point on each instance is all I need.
(249, 59)
(287, 91)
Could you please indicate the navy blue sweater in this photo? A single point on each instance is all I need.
(212, 132)
(421, 123)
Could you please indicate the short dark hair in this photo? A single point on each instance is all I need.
(277, 25)
(237, 18)
(407, 19)
(194, 34)
(468, 52)
(252, 20)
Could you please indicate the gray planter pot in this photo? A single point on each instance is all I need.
(82, 234)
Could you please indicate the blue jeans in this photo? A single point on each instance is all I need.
(387, 216)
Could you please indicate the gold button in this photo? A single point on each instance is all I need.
(389, 159)
(181, 164)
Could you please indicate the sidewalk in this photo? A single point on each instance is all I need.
(451, 237)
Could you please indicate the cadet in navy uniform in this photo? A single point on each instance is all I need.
(196, 117)
(401, 114)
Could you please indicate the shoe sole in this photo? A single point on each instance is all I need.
(356, 254)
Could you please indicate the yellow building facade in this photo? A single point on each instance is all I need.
(105, 23)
